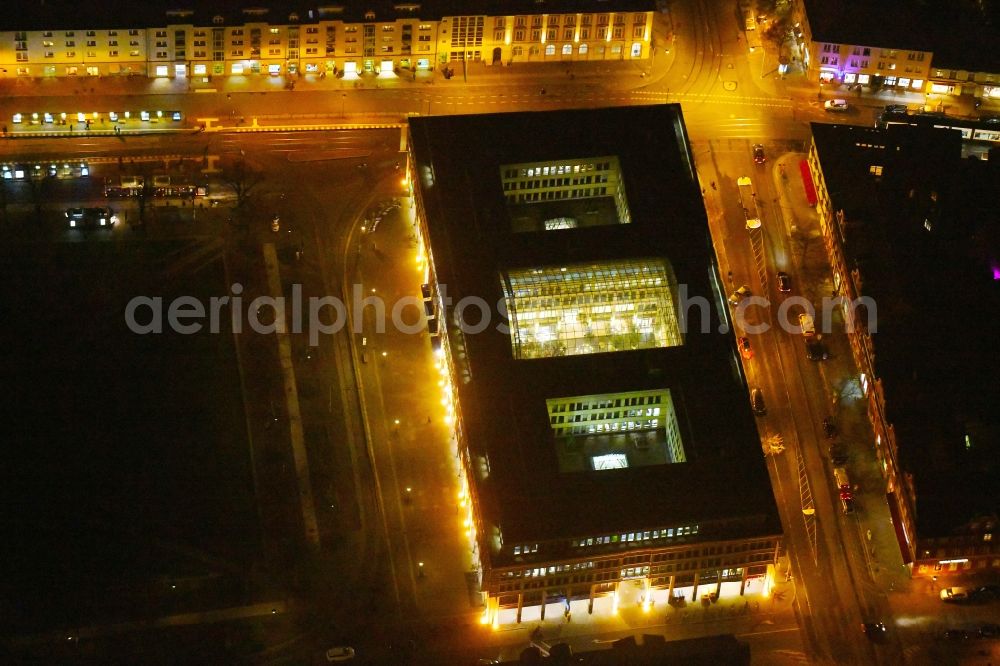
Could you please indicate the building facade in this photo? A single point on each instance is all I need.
(328, 40)
(583, 439)
(867, 45)
(932, 437)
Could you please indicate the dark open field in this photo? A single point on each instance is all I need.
(125, 467)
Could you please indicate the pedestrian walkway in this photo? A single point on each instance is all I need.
(612, 74)
(847, 406)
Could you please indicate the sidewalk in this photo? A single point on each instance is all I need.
(614, 74)
(848, 408)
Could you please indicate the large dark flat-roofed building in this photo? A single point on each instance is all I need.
(911, 225)
(605, 437)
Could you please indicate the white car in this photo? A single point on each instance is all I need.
(336, 654)
(954, 594)
(807, 325)
(835, 105)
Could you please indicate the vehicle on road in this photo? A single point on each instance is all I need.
(337, 654)
(739, 295)
(745, 350)
(989, 631)
(956, 635)
(83, 218)
(807, 324)
(844, 492)
(986, 593)
(895, 108)
(955, 594)
(875, 631)
(758, 154)
(816, 350)
(757, 402)
(838, 455)
(784, 282)
(829, 429)
(836, 105)
(748, 199)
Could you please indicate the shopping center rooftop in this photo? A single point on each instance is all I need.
(558, 411)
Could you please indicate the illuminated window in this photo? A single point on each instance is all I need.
(591, 308)
(161, 70)
(589, 191)
(550, 49)
(567, 49)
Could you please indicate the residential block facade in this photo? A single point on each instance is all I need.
(866, 44)
(331, 40)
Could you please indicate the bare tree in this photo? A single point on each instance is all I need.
(243, 178)
(39, 188)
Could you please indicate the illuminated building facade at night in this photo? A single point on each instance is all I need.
(602, 420)
(170, 40)
(942, 50)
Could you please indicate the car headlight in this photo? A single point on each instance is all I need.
(72, 223)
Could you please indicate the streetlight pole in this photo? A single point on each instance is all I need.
(343, 102)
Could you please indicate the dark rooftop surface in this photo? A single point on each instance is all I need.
(504, 407)
(938, 297)
(963, 34)
(71, 14)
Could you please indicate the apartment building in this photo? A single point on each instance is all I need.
(158, 40)
(860, 45)
(945, 50)
(906, 223)
(611, 456)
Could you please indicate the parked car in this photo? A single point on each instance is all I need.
(784, 282)
(757, 402)
(838, 455)
(988, 592)
(835, 105)
(956, 635)
(807, 324)
(338, 654)
(745, 350)
(895, 108)
(90, 217)
(955, 594)
(989, 631)
(875, 631)
(758, 154)
(739, 295)
(816, 350)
